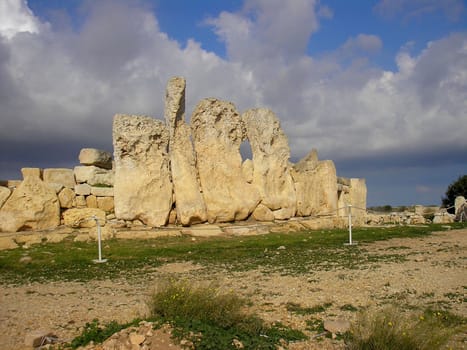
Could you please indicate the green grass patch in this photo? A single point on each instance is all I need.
(214, 319)
(304, 251)
(391, 328)
(299, 310)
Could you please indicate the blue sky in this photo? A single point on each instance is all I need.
(380, 87)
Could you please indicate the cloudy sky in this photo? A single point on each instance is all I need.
(380, 87)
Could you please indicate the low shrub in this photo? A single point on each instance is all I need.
(214, 319)
(391, 328)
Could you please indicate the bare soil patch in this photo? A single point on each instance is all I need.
(433, 273)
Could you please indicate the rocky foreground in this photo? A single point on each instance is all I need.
(433, 275)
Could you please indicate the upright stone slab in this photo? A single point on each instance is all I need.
(4, 194)
(316, 186)
(271, 153)
(357, 193)
(218, 132)
(142, 185)
(33, 205)
(306, 184)
(189, 205)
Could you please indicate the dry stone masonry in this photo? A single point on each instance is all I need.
(166, 172)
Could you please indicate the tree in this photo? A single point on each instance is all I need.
(457, 188)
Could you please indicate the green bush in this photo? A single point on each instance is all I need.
(213, 319)
(391, 329)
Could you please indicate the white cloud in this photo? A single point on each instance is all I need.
(15, 17)
(66, 86)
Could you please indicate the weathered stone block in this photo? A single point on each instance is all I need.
(106, 204)
(271, 153)
(80, 201)
(93, 175)
(83, 217)
(190, 205)
(102, 191)
(67, 198)
(33, 205)
(218, 132)
(143, 187)
(91, 201)
(62, 176)
(83, 190)
(99, 158)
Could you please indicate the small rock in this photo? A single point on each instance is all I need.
(338, 326)
(137, 339)
(38, 338)
(25, 260)
(281, 248)
(238, 344)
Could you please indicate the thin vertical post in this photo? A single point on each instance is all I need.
(349, 207)
(99, 239)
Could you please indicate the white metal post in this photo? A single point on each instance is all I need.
(99, 239)
(350, 223)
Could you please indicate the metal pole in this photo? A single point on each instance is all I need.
(99, 244)
(350, 223)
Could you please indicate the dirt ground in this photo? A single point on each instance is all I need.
(434, 274)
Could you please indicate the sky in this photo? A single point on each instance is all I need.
(379, 87)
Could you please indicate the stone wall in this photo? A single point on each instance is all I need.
(174, 172)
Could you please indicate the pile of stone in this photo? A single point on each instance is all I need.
(50, 197)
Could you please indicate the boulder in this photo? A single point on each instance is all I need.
(33, 205)
(93, 175)
(263, 213)
(461, 213)
(443, 218)
(83, 217)
(143, 187)
(99, 158)
(190, 205)
(4, 194)
(62, 176)
(217, 134)
(67, 198)
(271, 153)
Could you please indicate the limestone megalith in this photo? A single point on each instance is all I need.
(217, 133)
(142, 184)
(316, 186)
(271, 153)
(33, 205)
(190, 205)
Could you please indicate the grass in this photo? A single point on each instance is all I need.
(305, 251)
(214, 319)
(391, 328)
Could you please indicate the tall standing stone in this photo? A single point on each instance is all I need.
(218, 132)
(190, 205)
(33, 205)
(316, 186)
(142, 185)
(271, 153)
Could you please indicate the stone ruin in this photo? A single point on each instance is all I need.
(177, 173)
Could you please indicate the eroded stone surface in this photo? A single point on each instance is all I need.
(190, 205)
(62, 176)
(4, 194)
(99, 158)
(218, 132)
(271, 153)
(143, 186)
(33, 205)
